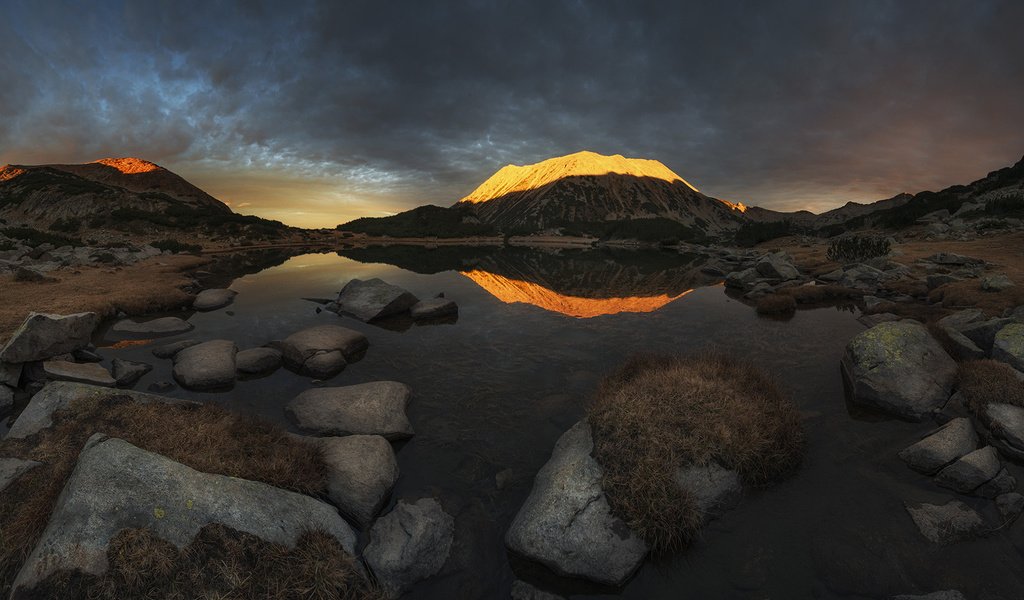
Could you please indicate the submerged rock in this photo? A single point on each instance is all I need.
(42, 336)
(127, 373)
(1008, 346)
(258, 361)
(374, 299)
(60, 370)
(375, 408)
(409, 544)
(362, 472)
(206, 366)
(970, 471)
(213, 299)
(899, 368)
(953, 440)
(322, 351)
(566, 523)
(116, 485)
(161, 326)
(946, 523)
(714, 488)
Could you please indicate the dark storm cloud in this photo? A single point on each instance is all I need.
(783, 104)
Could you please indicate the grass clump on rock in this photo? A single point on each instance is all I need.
(658, 414)
(984, 382)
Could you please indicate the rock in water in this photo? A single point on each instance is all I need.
(127, 373)
(169, 350)
(1008, 346)
(161, 326)
(434, 308)
(60, 370)
(950, 522)
(43, 336)
(409, 544)
(566, 522)
(206, 366)
(258, 361)
(375, 408)
(362, 471)
(953, 440)
(899, 368)
(971, 471)
(116, 485)
(374, 299)
(322, 351)
(213, 299)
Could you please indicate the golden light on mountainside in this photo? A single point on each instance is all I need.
(129, 165)
(734, 205)
(514, 290)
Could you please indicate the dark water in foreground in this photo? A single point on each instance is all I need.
(495, 390)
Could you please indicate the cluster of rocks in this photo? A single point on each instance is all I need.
(965, 224)
(756, 276)
(36, 261)
(374, 300)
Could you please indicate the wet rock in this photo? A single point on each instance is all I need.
(946, 523)
(127, 373)
(1008, 346)
(116, 485)
(996, 283)
(213, 299)
(433, 308)
(943, 595)
(899, 368)
(714, 488)
(566, 522)
(322, 351)
(160, 326)
(43, 336)
(970, 471)
(952, 441)
(169, 350)
(375, 408)
(13, 468)
(983, 333)
(1002, 483)
(409, 544)
(1006, 422)
(60, 370)
(1010, 505)
(206, 366)
(776, 266)
(10, 373)
(362, 471)
(258, 361)
(524, 591)
(374, 299)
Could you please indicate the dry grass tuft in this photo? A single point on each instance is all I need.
(219, 564)
(775, 304)
(657, 414)
(983, 382)
(968, 294)
(820, 294)
(204, 437)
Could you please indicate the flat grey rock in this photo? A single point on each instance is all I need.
(375, 408)
(961, 319)
(160, 326)
(92, 373)
(946, 523)
(213, 299)
(433, 308)
(127, 373)
(374, 299)
(714, 488)
(206, 366)
(362, 472)
(970, 471)
(566, 523)
(953, 440)
(13, 468)
(258, 361)
(169, 350)
(303, 350)
(1007, 424)
(899, 368)
(1008, 346)
(409, 544)
(116, 485)
(42, 336)
(776, 266)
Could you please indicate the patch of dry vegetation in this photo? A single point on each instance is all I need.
(204, 437)
(968, 294)
(820, 294)
(983, 382)
(657, 414)
(775, 304)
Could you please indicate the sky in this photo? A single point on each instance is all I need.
(315, 113)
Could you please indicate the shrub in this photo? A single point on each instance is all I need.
(175, 246)
(857, 248)
(34, 237)
(775, 304)
(657, 414)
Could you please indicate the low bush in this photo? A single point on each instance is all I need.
(176, 247)
(657, 414)
(820, 294)
(857, 248)
(775, 304)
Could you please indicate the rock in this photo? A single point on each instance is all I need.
(996, 283)
(213, 299)
(998, 485)
(776, 266)
(872, 320)
(961, 345)
(116, 485)
(374, 299)
(832, 276)
(939, 279)
(433, 308)
(375, 408)
(943, 595)
(524, 591)
(86, 356)
(899, 368)
(6, 398)
(968, 473)
(1006, 422)
(960, 319)
(1008, 346)
(31, 275)
(38, 415)
(952, 441)
(301, 350)
(10, 373)
(950, 522)
(43, 336)
(363, 470)
(1010, 505)
(862, 277)
(714, 488)
(566, 523)
(409, 544)
(60, 370)
(13, 468)
(742, 280)
(127, 373)
(983, 333)
(169, 350)
(258, 361)
(160, 326)
(948, 258)
(206, 366)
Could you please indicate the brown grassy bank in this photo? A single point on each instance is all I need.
(983, 382)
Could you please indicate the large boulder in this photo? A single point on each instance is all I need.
(566, 523)
(374, 299)
(160, 326)
(43, 336)
(62, 370)
(258, 361)
(362, 471)
(1008, 345)
(897, 367)
(409, 544)
(776, 266)
(375, 408)
(116, 486)
(322, 351)
(953, 440)
(213, 299)
(206, 366)
(969, 472)
(946, 523)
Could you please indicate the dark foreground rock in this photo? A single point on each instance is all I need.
(374, 299)
(1006, 423)
(375, 408)
(953, 440)
(92, 373)
(409, 544)
(363, 470)
(566, 522)
(116, 485)
(44, 336)
(213, 299)
(1008, 346)
(971, 471)
(322, 351)
(206, 366)
(258, 361)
